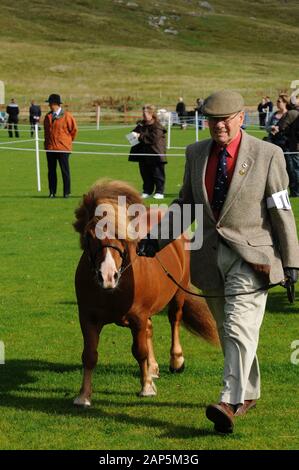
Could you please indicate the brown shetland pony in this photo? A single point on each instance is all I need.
(114, 285)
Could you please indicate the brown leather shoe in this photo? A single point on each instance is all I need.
(247, 405)
(222, 415)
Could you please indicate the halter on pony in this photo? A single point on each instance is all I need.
(93, 260)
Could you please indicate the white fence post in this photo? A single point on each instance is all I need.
(169, 130)
(37, 157)
(98, 116)
(196, 126)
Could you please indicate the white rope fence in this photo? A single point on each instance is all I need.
(106, 127)
(79, 152)
(37, 150)
(103, 127)
(17, 141)
(74, 152)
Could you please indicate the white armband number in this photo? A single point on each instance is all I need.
(279, 200)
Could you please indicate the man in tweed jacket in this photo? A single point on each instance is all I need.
(249, 239)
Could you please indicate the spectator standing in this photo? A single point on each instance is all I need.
(269, 104)
(34, 116)
(60, 131)
(198, 108)
(278, 138)
(289, 125)
(13, 118)
(262, 110)
(151, 151)
(181, 107)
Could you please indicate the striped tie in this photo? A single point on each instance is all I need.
(221, 183)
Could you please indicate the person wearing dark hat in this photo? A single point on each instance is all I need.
(60, 131)
(249, 240)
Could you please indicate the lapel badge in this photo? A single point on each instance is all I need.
(243, 169)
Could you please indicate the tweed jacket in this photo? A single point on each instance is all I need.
(259, 233)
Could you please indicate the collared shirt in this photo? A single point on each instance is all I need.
(233, 150)
(55, 114)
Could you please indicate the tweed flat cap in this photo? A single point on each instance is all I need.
(223, 103)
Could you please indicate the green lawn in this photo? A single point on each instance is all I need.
(38, 323)
(101, 48)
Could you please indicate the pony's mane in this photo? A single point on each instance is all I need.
(103, 192)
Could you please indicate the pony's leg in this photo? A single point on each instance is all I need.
(153, 367)
(91, 333)
(175, 314)
(140, 352)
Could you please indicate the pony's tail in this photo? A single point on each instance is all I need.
(198, 319)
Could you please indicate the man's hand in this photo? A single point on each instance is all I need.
(147, 247)
(291, 276)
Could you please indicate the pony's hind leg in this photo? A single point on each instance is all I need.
(153, 367)
(91, 333)
(140, 352)
(175, 314)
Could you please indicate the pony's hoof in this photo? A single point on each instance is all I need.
(149, 391)
(81, 401)
(177, 371)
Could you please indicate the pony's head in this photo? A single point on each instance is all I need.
(103, 221)
(108, 260)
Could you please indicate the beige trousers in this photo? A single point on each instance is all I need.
(238, 320)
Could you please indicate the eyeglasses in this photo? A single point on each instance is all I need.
(226, 120)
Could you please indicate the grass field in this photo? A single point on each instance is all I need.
(95, 48)
(38, 324)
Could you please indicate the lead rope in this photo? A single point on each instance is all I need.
(168, 274)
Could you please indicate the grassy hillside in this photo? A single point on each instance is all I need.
(92, 48)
